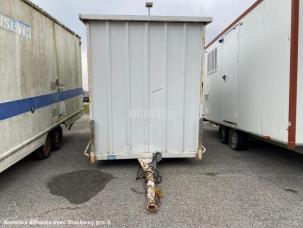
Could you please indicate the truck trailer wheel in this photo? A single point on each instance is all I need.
(45, 151)
(237, 140)
(223, 134)
(56, 138)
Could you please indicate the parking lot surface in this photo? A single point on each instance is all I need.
(259, 187)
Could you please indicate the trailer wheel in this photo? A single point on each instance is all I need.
(223, 134)
(237, 140)
(57, 138)
(45, 151)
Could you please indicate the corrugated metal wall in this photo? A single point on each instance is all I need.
(146, 79)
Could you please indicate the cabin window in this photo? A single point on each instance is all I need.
(212, 61)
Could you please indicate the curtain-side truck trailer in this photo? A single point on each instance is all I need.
(41, 85)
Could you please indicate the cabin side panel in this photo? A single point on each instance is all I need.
(264, 58)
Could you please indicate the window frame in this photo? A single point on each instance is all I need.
(212, 61)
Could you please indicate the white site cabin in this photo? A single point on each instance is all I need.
(254, 77)
(145, 84)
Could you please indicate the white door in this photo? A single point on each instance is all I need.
(230, 76)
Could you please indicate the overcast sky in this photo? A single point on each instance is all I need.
(223, 13)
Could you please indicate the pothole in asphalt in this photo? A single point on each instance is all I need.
(80, 186)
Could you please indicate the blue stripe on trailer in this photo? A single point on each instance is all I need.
(18, 107)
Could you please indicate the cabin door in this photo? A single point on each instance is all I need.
(61, 103)
(230, 68)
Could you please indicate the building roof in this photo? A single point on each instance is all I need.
(95, 17)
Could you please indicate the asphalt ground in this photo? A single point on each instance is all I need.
(259, 187)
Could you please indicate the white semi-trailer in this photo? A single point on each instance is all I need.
(254, 78)
(41, 85)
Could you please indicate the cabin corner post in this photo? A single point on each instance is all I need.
(295, 11)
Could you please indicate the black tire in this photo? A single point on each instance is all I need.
(223, 134)
(56, 138)
(45, 151)
(237, 140)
